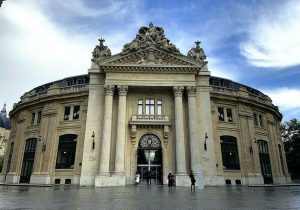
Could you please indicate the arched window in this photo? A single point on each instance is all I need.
(230, 155)
(66, 151)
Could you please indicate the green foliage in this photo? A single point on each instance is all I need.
(291, 140)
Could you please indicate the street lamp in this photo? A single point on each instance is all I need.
(93, 137)
(44, 143)
(205, 138)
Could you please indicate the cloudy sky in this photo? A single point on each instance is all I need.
(254, 42)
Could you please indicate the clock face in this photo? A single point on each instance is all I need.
(149, 140)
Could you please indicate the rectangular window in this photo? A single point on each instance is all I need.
(32, 118)
(66, 151)
(159, 107)
(229, 114)
(230, 156)
(67, 113)
(221, 113)
(260, 118)
(149, 106)
(39, 117)
(76, 112)
(140, 106)
(255, 119)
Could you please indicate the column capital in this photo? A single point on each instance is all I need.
(109, 90)
(178, 90)
(122, 90)
(191, 91)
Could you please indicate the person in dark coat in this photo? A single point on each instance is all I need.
(193, 181)
(170, 180)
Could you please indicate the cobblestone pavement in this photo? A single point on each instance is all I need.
(148, 197)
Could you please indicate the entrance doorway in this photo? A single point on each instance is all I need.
(265, 163)
(28, 160)
(149, 159)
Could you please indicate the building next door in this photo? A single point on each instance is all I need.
(28, 160)
(149, 159)
(265, 163)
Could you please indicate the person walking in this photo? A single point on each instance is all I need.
(149, 177)
(137, 179)
(193, 181)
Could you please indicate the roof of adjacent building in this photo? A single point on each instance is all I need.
(4, 120)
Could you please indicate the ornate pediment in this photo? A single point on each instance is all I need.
(150, 47)
(150, 56)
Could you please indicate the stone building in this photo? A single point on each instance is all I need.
(4, 134)
(149, 109)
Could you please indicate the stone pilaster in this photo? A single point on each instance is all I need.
(179, 132)
(194, 146)
(121, 127)
(106, 131)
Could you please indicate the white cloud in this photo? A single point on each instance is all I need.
(273, 40)
(79, 8)
(287, 99)
(36, 51)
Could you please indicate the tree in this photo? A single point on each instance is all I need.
(291, 140)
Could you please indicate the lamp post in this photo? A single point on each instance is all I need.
(93, 137)
(205, 138)
(41, 138)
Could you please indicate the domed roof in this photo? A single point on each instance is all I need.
(4, 120)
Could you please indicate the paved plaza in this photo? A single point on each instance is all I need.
(148, 197)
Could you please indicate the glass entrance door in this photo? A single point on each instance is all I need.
(150, 165)
(149, 159)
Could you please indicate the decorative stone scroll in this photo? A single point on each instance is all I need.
(100, 51)
(197, 53)
(150, 36)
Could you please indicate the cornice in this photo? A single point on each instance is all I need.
(150, 69)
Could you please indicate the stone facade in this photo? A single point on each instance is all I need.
(149, 101)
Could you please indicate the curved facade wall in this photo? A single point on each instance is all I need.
(150, 110)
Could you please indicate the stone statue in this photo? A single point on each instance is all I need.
(101, 51)
(197, 53)
(150, 36)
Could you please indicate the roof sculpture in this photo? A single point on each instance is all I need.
(150, 36)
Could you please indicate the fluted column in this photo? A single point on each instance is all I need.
(179, 132)
(121, 126)
(194, 147)
(106, 132)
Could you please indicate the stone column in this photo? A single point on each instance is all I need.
(121, 126)
(106, 131)
(194, 147)
(179, 132)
